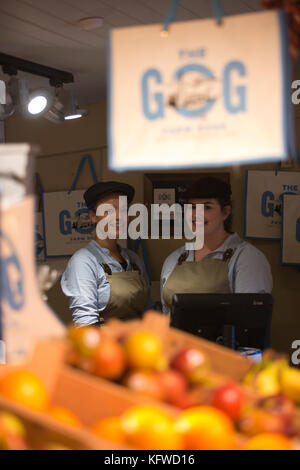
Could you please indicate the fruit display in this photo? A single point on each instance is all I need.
(185, 379)
(140, 386)
(198, 428)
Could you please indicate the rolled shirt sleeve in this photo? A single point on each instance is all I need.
(85, 284)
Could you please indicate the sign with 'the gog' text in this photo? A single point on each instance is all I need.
(207, 94)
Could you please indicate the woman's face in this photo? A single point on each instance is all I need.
(116, 216)
(214, 215)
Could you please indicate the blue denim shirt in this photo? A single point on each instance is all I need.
(85, 284)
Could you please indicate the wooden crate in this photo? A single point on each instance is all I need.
(92, 398)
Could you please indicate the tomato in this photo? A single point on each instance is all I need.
(230, 399)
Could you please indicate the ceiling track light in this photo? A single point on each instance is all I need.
(73, 111)
(56, 106)
(11, 65)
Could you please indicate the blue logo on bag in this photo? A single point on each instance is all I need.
(81, 222)
(195, 91)
(12, 286)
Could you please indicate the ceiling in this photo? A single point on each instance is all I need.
(47, 32)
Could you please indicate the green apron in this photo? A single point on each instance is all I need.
(207, 276)
(128, 291)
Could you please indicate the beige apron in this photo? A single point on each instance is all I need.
(207, 276)
(128, 291)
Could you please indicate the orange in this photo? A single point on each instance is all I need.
(26, 388)
(144, 350)
(64, 415)
(149, 428)
(206, 428)
(269, 441)
(109, 428)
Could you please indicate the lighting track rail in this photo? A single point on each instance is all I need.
(11, 65)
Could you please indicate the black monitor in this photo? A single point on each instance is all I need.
(234, 320)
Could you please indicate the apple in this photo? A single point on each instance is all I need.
(229, 398)
(280, 405)
(85, 340)
(186, 400)
(174, 385)
(255, 421)
(109, 360)
(192, 363)
(145, 382)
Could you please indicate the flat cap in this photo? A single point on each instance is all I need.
(210, 187)
(96, 192)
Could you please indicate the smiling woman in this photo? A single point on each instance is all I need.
(103, 280)
(225, 263)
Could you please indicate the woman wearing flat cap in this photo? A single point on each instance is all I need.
(103, 280)
(225, 263)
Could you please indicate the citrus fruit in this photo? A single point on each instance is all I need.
(206, 428)
(109, 428)
(26, 388)
(144, 350)
(269, 441)
(64, 415)
(149, 428)
(10, 422)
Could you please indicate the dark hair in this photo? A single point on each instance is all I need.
(227, 222)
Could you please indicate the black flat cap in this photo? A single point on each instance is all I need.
(210, 187)
(96, 192)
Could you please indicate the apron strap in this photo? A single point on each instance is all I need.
(227, 255)
(182, 257)
(92, 249)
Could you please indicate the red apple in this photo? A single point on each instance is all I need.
(229, 398)
(192, 363)
(173, 383)
(109, 360)
(145, 382)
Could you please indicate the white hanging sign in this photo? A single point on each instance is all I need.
(67, 223)
(290, 244)
(205, 95)
(263, 201)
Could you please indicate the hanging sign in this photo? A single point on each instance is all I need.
(206, 95)
(263, 201)
(290, 243)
